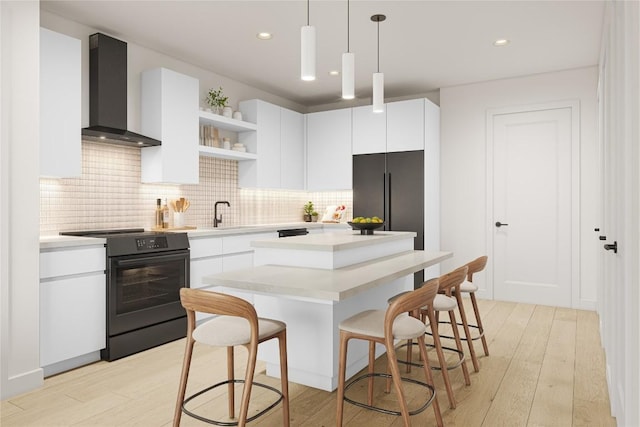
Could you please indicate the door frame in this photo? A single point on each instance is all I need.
(574, 105)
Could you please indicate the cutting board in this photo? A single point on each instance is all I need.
(186, 227)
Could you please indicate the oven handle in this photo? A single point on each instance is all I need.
(155, 258)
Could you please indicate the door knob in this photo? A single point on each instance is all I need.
(499, 224)
(613, 247)
(596, 229)
(602, 237)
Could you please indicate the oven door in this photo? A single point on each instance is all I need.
(144, 289)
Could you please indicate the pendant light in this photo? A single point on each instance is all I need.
(348, 68)
(378, 77)
(308, 50)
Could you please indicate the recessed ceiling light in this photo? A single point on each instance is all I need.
(501, 42)
(264, 36)
(334, 73)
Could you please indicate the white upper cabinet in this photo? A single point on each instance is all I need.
(292, 168)
(278, 143)
(369, 130)
(405, 125)
(60, 105)
(170, 114)
(329, 163)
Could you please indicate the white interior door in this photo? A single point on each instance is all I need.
(532, 199)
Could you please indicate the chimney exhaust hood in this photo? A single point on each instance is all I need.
(108, 94)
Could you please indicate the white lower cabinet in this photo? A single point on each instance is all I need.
(211, 255)
(72, 317)
(237, 261)
(72, 307)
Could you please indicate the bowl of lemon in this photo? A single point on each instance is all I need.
(366, 225)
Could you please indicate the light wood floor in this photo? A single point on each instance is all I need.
(546, 367)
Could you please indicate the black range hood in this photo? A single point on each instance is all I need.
(108, 94)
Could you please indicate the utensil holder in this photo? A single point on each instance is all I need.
(178, 219)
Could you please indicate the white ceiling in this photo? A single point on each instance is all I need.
(424, 45)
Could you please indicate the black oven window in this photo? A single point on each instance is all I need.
(149, 285)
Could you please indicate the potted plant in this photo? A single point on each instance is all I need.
(308, 211)
(314, 216)
(216, 100)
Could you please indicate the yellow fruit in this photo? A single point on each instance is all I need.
(367, 220)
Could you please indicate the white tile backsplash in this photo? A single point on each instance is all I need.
(109, 194)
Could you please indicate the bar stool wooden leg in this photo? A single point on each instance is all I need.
(433, 322)
(231, 386)
(467, 333)
(397, 382)
(342, 372)
(372, 361)
(474, 302)
(284, 378)
(186, 364)
(427, 372)
(248, 383)
(456, 334)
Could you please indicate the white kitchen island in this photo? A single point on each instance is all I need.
(314, 282)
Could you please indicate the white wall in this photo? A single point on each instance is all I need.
(463, 112)
(19, 187)
(140, 58)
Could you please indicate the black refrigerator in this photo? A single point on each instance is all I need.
(391, 186)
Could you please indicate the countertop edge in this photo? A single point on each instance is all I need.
(303, 243)
(54, 242)
(271, 284)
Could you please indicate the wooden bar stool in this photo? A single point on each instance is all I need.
(448, 284)
(384, 327)
(236, 324)
(469, 287)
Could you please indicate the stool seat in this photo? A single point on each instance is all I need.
(468, 286)
(226, 331)
(444, 303)
(371, 323)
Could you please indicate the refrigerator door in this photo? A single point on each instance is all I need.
(391, 186)
(369, 185)
(405, 173)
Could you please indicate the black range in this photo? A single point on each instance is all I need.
(145, 271)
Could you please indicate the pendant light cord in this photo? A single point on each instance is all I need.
(348, 25)
(378, 46)
(307, 13)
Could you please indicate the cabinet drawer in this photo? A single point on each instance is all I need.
(206, 247)
(242, 243)
(72, 261)
(204, 267)
(237, 261)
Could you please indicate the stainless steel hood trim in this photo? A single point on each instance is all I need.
(117, 136)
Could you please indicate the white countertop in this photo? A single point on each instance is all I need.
(260, 228)
(331, 285)
(57, 241)
(336, 241)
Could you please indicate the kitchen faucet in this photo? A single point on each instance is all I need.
(217, 220)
